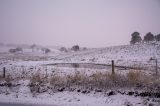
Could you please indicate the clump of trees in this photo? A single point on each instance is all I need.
(18, 49)
(74, 48)
(136, 38)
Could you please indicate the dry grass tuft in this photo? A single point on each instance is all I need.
(96, 80)
(77, 78)
(57, 80)
(135, 77)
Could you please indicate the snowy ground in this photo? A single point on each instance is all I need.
(75, 99)
(27, 63)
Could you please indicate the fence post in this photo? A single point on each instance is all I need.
(4, 72)
(46, 72)
(156, 68)
(113, 67)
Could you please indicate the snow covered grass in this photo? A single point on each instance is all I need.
(100, 88)
(28, 76)
(77, 99)
(98, 80)
(136, 56)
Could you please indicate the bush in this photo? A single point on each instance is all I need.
(46, 50)
(18, 49)
(63, 49)
(12, 51)
(75, 48)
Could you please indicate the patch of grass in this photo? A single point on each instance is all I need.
(8, 79)
(77, 78)
(57, 80)
(98, 80)
(36, 81)
(135, 77)
(1, 77)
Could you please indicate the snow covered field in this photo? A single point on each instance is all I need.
(22, 66)
(78, 99)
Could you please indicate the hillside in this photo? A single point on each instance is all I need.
(137, 55)
(31, 76)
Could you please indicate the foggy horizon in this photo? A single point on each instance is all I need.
(87, 23)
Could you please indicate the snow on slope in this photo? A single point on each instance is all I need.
(75, 99)
(67, 98)
(128, 55)
(136, 56)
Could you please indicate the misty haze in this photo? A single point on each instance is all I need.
(79, 53)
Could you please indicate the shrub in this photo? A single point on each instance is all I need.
(46, 50)
(12, 51)
(63, 49)
(18, 49)
(75, 48)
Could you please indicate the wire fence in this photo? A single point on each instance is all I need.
(23, 71)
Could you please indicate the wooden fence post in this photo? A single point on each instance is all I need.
(113, 67)
(4, 72)
(46, 72)
(156, 68)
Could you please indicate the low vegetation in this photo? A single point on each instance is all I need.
(79, 81)
(98, 80)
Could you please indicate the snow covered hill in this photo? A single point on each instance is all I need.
(137, 55)
(21, 68)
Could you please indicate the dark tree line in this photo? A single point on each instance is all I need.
(136, 38)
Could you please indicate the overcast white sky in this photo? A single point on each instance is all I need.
(91, 23)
